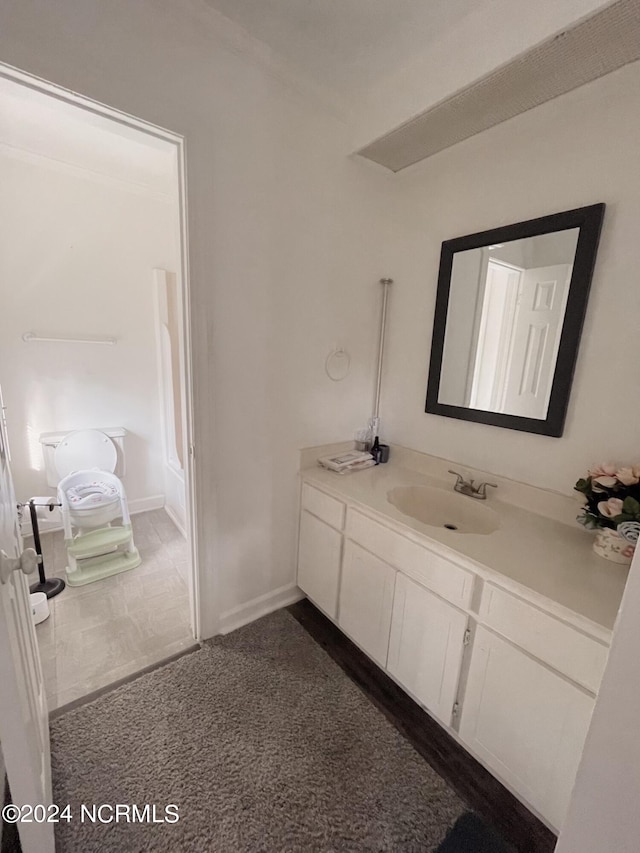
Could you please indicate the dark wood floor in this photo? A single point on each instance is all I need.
(473, 784)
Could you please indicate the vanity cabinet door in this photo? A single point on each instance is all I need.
(366, 600)
(319, 562)
(526, 723)
(426, 647)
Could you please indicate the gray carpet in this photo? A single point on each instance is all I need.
(262, 742)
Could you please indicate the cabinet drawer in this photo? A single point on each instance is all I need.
(566, 649)
(432, 571)
(323, 506)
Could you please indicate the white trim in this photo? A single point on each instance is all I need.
(161, 283)
(60, 93)
(174, 518)
(146, 504)
(257, 607)
(201, 611)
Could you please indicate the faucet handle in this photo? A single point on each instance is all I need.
(459, 476)
(482, 488)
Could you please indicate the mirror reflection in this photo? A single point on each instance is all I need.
(506, 309)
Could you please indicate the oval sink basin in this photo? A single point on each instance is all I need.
(438, 508)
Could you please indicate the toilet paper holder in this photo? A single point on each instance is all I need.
(50, 586)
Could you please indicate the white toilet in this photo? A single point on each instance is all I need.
(82, 466)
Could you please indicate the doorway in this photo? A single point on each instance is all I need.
(95, 336)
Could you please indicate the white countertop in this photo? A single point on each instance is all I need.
(550, 562)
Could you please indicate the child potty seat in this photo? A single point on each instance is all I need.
(91, 499)
(91, 494)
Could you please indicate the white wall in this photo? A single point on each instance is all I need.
(285, 249)
(76, 258)
(288, 239)
(461, 318)
(576, 150)
(549, 249)
(603, 814)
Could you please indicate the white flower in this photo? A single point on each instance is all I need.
(629, 530)
(610, 508)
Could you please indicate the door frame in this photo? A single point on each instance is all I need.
(178, 141)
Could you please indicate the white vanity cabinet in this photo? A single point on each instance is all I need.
(451, 632)
(366, 601)
(319, 562)
(426, 647)
(320, 548)
(525, 722)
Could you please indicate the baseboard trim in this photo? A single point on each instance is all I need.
(136, 506)
(257, 607)
(176, 520)
(146, 504)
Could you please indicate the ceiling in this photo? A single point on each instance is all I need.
(347, 46)
(597, 45)
(35, 125)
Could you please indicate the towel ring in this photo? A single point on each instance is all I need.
(337, 364)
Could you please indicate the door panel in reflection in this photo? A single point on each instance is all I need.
(505, 315)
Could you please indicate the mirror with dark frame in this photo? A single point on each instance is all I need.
(509, 312)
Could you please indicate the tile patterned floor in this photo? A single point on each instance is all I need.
(104, 631)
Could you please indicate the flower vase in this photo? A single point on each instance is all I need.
(610, 545)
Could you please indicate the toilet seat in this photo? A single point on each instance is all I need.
(90, 494)
(83, 450)
(91, 499)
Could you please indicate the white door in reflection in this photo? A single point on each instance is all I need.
(495, 335)
(518, 338)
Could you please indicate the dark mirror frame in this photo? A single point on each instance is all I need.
(589, 221)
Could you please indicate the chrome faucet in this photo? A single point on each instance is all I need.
(468, 487)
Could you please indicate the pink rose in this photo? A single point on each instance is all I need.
(597, 470)
(610, 508)
(603, 477)
(627, 476)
